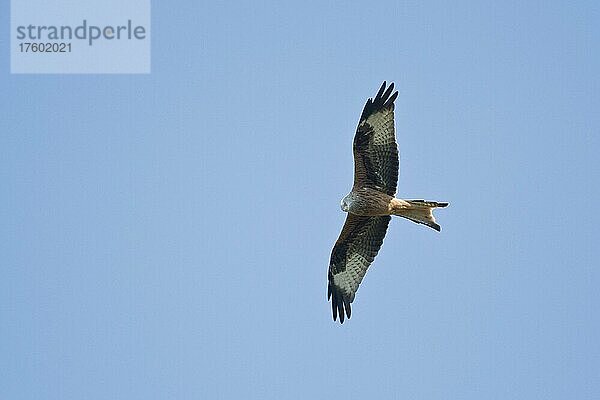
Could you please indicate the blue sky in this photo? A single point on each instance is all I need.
(168, 235)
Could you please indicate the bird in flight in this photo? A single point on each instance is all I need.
(371, 202)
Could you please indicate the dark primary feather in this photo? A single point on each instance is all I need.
(375, 149)
(381, 101)
(354, 251)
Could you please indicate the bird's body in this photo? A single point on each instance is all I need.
(371, 203)
(367, 202)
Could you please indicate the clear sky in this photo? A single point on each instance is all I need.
(167, 235)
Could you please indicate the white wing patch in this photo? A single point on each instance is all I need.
(349, 280)
(381, 122)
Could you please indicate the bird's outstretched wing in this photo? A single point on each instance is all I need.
(375, 148)
(354, 251)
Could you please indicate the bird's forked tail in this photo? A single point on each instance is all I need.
(419, 211)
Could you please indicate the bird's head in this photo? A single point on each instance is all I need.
(345, 204)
